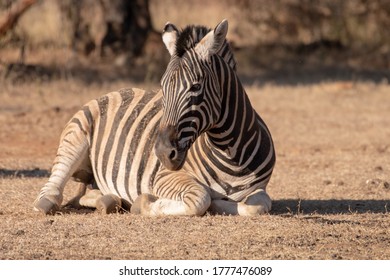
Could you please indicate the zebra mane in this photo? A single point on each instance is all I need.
(191, 35)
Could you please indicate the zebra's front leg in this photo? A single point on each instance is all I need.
(255, 203)
(93, 198)
(174, 193)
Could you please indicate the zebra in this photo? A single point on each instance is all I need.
(193, 146)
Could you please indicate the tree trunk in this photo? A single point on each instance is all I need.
(137, 25)
(110, 27)
(9, 21)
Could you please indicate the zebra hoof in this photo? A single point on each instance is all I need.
(142, 202)
(108, 204)
(46, 206)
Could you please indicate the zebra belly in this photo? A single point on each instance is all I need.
(122, 142)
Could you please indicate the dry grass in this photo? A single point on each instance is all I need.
(330, 137)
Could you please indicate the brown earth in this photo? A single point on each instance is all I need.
(330, 186)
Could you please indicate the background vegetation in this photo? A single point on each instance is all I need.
(87, 38)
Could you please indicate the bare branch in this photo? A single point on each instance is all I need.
(9, 21)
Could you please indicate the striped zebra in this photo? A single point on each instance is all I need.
(195, 145)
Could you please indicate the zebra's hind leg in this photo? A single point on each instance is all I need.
(255, 203)
(72, 156)
(173, 194)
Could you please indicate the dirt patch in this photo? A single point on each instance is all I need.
(330, 186)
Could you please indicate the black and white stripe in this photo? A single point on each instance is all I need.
(195, 144)
(236, 155)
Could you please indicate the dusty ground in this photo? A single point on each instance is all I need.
(330, 187)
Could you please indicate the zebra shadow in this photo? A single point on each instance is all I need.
(329, 206)
(291, 207)
(24, 173)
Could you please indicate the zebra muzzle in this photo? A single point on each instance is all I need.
(168, 150)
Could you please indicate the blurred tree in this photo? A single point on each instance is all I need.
(107, 27)
(122, 29)
(9, 21)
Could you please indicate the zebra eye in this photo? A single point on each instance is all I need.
(195, 87)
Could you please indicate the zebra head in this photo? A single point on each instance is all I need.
(191, 96)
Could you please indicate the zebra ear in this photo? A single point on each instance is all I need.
(213, 41)
(169, 36)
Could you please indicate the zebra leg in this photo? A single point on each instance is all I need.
(75, 201)
(175, 193)
(142, 204)
(256, 203)
(93, 198)
(72, 153)
(90, 198)
(109, 203)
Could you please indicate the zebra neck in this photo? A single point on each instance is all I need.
(237, 135)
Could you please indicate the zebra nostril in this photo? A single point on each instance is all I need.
(172, 155)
